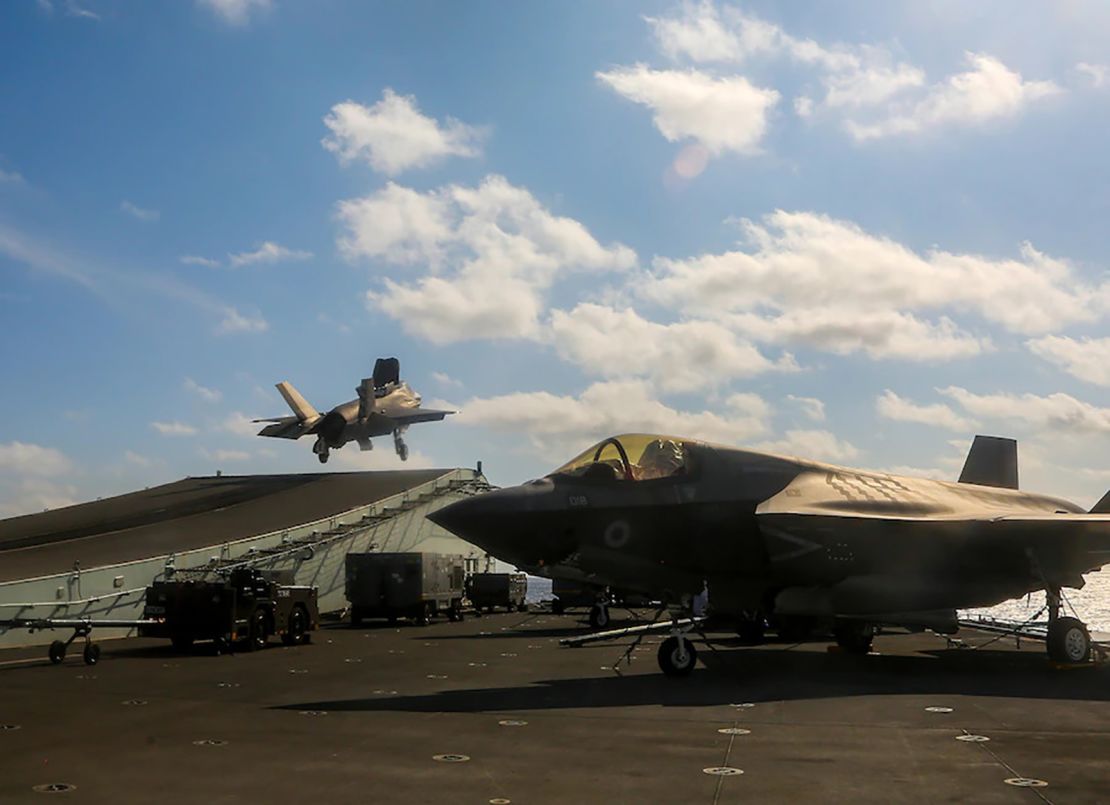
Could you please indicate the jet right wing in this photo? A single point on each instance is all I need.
(414, 415)
(285, 427)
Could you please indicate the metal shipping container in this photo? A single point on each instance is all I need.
(404, 585)
(489, 590)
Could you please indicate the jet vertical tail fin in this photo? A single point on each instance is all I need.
(296, 402)
(992, 461)
(1103, 506)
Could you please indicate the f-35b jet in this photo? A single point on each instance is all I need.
(792, 541)
(384, 406)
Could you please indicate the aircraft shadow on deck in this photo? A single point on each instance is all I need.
(744, 675)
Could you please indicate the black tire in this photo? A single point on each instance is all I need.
(92, 654)
(181, 642)
(1069, 641)
(522, 607)
(423, 616)
(854, 637)
(557, 607)
(795, 628)
(677, 658)
(599, 617)
(752, 632)
(222, 645)
(256, 637)
(57, 652)
(323, 457)
(296, 628)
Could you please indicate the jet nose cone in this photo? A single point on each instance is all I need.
(457, 517)
(504, 522)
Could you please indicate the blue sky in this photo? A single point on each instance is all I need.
(862, 234)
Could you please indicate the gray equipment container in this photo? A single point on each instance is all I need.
(489, 590)
(404, 585)
(573, 594)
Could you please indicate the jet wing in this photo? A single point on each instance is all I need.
(285, 427)
(414, 415)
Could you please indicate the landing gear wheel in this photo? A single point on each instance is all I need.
(1068, 641)
(455, 613)
(295, 629)
(323, 457)
(854, 637)
(57, 652)
(677, 657)
(599, 616)
(256, 639)
(92, 653)
(751, 631)
(181, 642)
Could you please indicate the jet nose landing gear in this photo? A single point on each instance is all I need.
(677, 656)
(1069, 642)
(320, 448)
(400, 446)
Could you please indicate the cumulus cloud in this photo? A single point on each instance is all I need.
(550, 421)
(173, 428)
(235, 322)
(240, 424)
(445, 379)
(801, 277)
(492, 253)
(811, 407)
(205, 393)
(22, 458)
(938, 415)
(27, 495)
(720, 114)
(1098, 75)
(1086, 358)
(987, 91)
(267, 252)
(235, 12)
(138, 212)
(1057, 411)
(393, 136)
(812, 444)
(686, 355)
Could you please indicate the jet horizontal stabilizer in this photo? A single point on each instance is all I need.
(1103, 506)
(992, 461)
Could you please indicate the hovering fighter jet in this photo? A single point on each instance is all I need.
(384, 406)
(792, 540)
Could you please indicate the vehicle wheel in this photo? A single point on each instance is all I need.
(557, 607)
(522, 607)
(599, 616)
(181, 642)
(854, 637)
(751, 631)
(92, 654)
(222, 646)
(794, 628)
(423, 616)
(356, 616)
(57, 652)
(256, 639)
(677, 658)
(295, 629)
(1069, 641)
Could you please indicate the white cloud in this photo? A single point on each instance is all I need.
(445, 379)
(235, 322)
(811, 407)
(138, 212)
(938, 415)
(205, 393)
(235, 12)
(240, 424)
(549, 421)
(1088, 358)
(1057, 411)
(493, 251)
(685, 356)
(196, 260)
(814, 279)
(393, 136)
(382, 457)
(10, 177)
(986, 92)
(31, 495)
(267, 252)
(173, 428)
(22, 458)
(819, 445)
(136, 459)
(721, 114)
(74, 10)
(1097, 74)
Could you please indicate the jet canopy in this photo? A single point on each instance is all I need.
(631, 457)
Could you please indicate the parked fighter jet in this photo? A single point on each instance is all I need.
(790, 539)
(384, 406)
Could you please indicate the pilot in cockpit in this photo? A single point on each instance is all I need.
(661, 458)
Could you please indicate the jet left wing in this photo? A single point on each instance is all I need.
(415, 415)
(285, 427)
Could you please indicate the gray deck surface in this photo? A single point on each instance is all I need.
(183, 515)
(825, 727)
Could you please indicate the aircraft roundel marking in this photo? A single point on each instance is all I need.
(617, 534)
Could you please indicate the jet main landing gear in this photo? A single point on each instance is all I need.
(1069, 642)
(400, 446)
(599, 617)
(321, 450)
